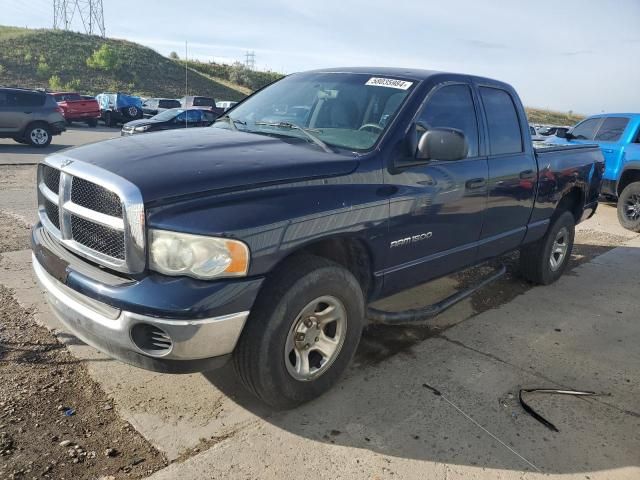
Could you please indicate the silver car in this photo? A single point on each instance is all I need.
(31, 117)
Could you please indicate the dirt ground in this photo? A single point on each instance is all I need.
(55, 422)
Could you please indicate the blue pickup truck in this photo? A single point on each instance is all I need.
(618, 135)
(263, 238)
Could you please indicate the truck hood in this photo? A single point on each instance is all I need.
(190, 161)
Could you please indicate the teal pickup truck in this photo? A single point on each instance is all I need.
(618, 135)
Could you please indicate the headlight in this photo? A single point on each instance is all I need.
(142, 128)
(197, 256)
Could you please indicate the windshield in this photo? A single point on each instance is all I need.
(168, 114)
(344, 110)
(203, 102)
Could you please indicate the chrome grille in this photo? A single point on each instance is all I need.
(97, 237)
(92, 212)
(53, 213)
(96, 198)
(51, 178)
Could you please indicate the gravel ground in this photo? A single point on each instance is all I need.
(55, 422)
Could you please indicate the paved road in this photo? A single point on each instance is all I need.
(380, 421)
(12, 153)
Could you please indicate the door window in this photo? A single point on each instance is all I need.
(193, 116)
(502, 119)
(452, 107)
(612, 129)
(586, 130)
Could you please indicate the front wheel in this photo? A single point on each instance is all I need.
(302, 332)
(629, 207)
(93, 122)
(544, 261)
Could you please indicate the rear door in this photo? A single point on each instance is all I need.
(436, 214)
(512, 173)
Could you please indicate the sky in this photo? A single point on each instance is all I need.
(562, 55)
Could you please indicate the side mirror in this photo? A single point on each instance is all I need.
(561, 133)
(442, 144)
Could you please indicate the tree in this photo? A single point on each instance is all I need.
(174, 56)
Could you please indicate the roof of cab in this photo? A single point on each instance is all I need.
(416, 74)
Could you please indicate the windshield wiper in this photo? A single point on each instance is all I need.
(231, 121)
(306, 131)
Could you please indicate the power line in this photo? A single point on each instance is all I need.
(89, 12)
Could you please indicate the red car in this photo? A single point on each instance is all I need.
(76, 108)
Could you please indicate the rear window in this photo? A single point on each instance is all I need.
(504, 125)
(203, 102)
(168, 104)
(612, 129)
(26, 99)
(67, 97)
(586, 130)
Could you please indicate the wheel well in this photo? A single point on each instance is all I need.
(349, 252)
(33, 124)
(628, 176)
(572, 201)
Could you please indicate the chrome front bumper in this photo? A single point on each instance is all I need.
(196, 345)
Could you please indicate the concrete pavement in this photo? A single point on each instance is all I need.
(381, 422)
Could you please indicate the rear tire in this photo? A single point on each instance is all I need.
(629, 207)
(108, 120)
(93, 123)
(38, 135)
(544, 261)
(277, 357)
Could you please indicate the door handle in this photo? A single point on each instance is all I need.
(527, 175)
(607, 150)
(476, 183)
(28, 113)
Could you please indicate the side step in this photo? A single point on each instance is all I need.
(430, 311)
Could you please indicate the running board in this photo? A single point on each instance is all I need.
(430, 311)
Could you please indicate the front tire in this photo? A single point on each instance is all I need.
(38, 135)
(629, 207)
(93, 123)
(544, 261)
(303, 331)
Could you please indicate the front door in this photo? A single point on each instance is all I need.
(436, 213)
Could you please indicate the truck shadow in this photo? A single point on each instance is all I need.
(29, 150)
(385, 403)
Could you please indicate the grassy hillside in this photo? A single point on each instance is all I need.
(549, 117)
(91, 64)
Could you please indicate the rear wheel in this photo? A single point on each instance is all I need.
(302, 332)
(93, 122)
(544, 261)
(108, 119)
(38, 135)
(629, 207)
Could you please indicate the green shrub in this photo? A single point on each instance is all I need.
(55, 83)
(104, 58)
(43, 69)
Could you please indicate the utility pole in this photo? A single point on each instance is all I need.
(90, 13)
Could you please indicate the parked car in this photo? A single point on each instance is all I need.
(264, 240)
(31, 117)
(548, 131)
(618, 135)
(118, 108)
(206, 103)
(169, 120)
(225, 105)
(78, 109)
(154, 106)
(534, 135)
